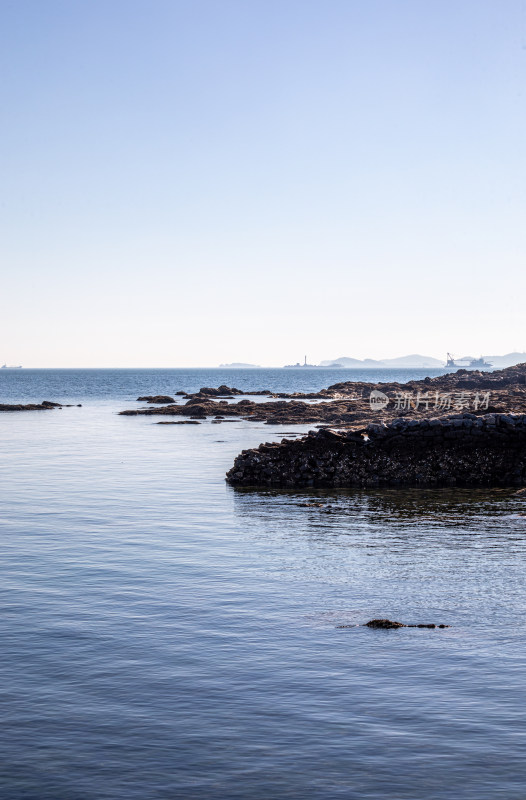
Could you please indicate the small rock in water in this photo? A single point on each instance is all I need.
(179, 422)
(384, 623)
(156, 398)
(389, 623)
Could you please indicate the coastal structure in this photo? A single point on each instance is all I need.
(294, 366)
(312, 366)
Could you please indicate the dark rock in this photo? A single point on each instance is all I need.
(46, 405)
(458, 450)
(179, 422)
(157, 398)
(346, 405)
(221, 391)
(388, 624)
(384, 623)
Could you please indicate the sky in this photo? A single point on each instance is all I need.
(194, 182)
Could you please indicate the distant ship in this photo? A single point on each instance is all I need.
(479, 362)
(472, 363)
(5, 366)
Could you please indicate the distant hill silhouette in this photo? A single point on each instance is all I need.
(414, 360)
(239, 365)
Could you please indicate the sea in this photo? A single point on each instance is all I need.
(164, 635)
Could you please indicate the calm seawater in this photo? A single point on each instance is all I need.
(166, 636)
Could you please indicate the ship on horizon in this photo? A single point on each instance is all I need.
(467, 363)
(6, 366)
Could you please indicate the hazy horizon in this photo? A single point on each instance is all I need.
(249, 365)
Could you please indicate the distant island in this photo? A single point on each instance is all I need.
(239, 365)
(412, 361)
(416, 360)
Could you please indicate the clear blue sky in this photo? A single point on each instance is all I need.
(188, 182)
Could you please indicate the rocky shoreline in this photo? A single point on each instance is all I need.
(348, 404)
(369, 434)
(465, 428)
(458, 450)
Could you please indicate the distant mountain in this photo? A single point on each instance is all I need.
(413, 360)
(239, 365)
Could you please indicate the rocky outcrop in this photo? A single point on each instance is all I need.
(224, 391)
(277, 412)
(461, 379)
(156, 398)
(457, 450)
(221, 391)
(45, 405)
(348, 404)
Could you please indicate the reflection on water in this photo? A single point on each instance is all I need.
(164, 635)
